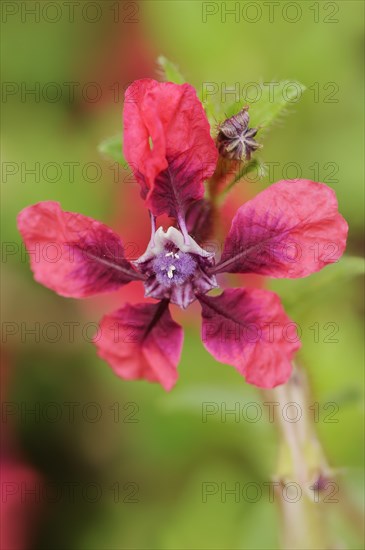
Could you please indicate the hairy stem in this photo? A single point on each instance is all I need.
(302, 468)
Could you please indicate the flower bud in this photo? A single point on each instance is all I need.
(235, 139)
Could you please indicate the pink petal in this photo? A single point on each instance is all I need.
(142, 342)
(250, 330)
(72, 254)
(291, 229)
(168, 145)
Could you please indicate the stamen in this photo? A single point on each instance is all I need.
(173, 268)
(170, 272)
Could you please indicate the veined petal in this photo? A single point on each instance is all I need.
(72, 254)
(291, 229)
(142, 342)
(249, 329)
(168, 145)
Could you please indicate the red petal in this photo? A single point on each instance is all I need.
(72, 254)
(168, 145)
(142, 341)
(250, 330)
(291, 229)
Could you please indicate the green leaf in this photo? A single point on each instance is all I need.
(274, 102)
(112, 148)
(270, 101)
(170, 72)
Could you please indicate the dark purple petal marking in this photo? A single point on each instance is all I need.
(87, 256)
(247, 328)
(291, 229)
(142, 341)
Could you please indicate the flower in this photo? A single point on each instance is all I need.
(291, 229)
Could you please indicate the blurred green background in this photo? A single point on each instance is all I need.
(163, 459)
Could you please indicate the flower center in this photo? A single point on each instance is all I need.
(173, 267)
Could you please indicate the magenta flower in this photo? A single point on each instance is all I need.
(292, 229)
